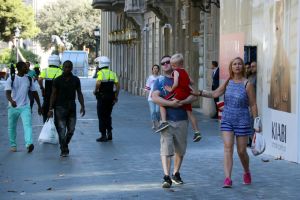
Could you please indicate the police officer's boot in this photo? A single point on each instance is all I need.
(109, 135)
(103, 138)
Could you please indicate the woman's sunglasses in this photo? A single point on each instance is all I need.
(167, 62)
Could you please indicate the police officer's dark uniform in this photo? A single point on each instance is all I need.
(107, 81)
(48, 75)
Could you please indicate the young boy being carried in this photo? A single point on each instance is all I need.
(180, 90)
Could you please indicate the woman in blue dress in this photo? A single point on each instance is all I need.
(239, 96)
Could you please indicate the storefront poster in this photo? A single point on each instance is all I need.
(280, 96)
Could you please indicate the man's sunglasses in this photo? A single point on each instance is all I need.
(167, 62)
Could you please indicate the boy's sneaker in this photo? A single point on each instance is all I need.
(227, 183)
(30, 148)
(167, 182)
(162, 127)
(153, 127)
(176, 178)
(197, 137)
(247, 178)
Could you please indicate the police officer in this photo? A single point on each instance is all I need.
(49, 74)
(106, 91)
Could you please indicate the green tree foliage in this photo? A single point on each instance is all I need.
(14, 13)
(6, 56)
(77, 19)
(30, 56)
(9, 56)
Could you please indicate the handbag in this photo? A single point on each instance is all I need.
(258, 145)
(48, 133)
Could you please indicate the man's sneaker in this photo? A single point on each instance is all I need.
(227, 183)
(101, 139)
(167, 182)
(197, 137)
(109, 135)
(176, 178)
(64, 154)
(162, 126)
(30, 148)
(247, 178)
(13, 149)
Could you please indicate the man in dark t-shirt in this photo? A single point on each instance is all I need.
(63, 101)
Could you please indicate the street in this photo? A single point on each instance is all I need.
(129, 166)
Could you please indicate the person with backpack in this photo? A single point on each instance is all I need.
(17, 87)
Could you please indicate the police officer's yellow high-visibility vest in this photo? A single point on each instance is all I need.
(108, 78)
(50, 73)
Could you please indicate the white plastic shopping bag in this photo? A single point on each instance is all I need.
(49, 133)
(258, 145)
(257, 123)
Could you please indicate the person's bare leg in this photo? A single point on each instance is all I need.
(242, 151)
(228, 140)
(193, 120)
(177, 162)
(163, 113)
(166, 164)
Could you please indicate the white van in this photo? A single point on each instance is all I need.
(79, 60)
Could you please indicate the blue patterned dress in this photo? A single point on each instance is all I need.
(236, 115)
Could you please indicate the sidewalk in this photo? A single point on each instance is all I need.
(129, 167)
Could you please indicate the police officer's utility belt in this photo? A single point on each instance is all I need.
(102, 95)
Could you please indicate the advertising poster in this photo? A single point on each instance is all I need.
(280, 97)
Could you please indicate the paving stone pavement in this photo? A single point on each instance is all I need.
(129, 167)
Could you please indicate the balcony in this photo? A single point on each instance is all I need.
(108, 5)
(135, 6)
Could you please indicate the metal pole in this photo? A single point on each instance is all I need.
(17, 49)
(97, 46)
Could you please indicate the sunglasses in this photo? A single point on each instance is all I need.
(167, 62)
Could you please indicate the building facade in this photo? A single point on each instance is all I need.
(135, 34)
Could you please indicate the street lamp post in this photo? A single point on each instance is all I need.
(17, 35)
(97, 38)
